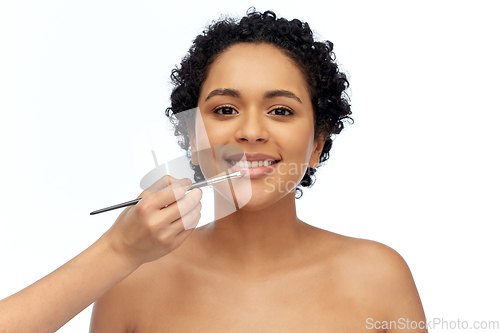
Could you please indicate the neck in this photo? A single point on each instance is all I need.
(259, 239)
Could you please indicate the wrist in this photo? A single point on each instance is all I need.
(118, 252)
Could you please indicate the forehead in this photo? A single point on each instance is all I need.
(255, 67)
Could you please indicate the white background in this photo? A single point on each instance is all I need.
(418, 170)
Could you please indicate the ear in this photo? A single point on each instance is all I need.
(192, 141)
(318, 148)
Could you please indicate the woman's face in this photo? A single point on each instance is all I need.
(256, 98)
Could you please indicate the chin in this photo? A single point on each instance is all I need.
(260, 202)
(252, 197)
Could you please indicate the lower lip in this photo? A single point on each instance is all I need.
(254, 172)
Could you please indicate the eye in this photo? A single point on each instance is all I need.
(281, 111)
(224, 110)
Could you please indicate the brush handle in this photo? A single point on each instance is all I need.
(124, 204)
(135, 201)
(197, 185)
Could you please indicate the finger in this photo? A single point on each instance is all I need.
(168, 222)
(190, 220)
(181, 236)
(186, 225)
(175, 191)
(181, 207)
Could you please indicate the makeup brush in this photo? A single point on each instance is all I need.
(204, 183)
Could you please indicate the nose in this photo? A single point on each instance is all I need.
(252, 128)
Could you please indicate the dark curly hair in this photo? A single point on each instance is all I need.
(327, 85)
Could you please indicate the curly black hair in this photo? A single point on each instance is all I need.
(327, 85)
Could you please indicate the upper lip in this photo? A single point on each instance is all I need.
(252, 157)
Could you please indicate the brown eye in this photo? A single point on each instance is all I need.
(224, 110)
(282, 112)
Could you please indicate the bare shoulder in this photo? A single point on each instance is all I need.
(361, 253)
(377, 274)
(374, 258)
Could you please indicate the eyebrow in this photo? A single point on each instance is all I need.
(268, 95)
(281, 93)
(223, 92)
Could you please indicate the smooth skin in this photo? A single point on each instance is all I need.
(142, 233)
(262, 269)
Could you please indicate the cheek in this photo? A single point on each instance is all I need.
(209, 133)
(220, 133)
(300, 142)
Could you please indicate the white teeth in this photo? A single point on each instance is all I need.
(253, 164)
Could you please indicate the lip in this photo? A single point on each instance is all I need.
(253, 173)
(250, 157)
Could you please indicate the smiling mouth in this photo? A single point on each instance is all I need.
(252, 164)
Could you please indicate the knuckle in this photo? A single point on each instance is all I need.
(193, 201)
(165, 238)
(195, 196)
(199, 194)
(142, 208)
(185, 204)
(150, 229)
